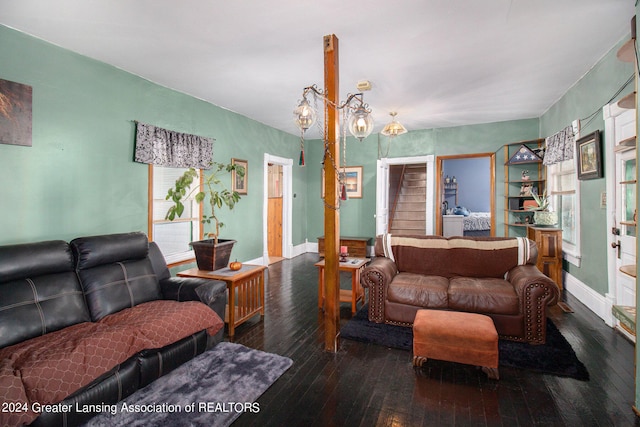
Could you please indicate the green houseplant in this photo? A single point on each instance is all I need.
(542, 215)
(212, 253)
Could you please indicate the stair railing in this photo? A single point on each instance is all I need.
(395, 200)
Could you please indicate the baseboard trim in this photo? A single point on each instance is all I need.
(595, 302)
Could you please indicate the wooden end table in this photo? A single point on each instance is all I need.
(353, 266)
(245, 288)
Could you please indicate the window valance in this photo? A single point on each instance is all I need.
(560, 146)
(162, 147)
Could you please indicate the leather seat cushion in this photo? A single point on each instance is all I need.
(483, 295)
(419, 290)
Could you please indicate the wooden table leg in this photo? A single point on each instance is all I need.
(262, 293)
(321, 287)
(354, 292)
(232, 309)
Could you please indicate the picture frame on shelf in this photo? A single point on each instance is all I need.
(589, 156)
(237, 183)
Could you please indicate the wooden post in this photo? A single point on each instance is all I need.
(331, 214)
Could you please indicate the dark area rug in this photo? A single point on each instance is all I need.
(212, 389)
(555, 357)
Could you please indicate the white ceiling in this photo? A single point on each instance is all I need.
(438, 63)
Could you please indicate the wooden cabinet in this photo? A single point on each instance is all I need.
(549, 241)
(357, 246)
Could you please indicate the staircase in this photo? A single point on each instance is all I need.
(408, 193)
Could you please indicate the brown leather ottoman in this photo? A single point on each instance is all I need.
(456, 337)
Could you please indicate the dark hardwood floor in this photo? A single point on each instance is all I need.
(369, 385)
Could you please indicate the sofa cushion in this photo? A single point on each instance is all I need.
(40, 291)
(483, 295)
(457, 256)
(419, 290)
(111, 288)
(115, 272)
(49, 368)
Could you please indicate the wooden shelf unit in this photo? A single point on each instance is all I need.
(514, 212)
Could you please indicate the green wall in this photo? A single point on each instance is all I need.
(357, 215)
(587, 96)
(78, 178)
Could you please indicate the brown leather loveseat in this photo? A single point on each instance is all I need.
(495, 276)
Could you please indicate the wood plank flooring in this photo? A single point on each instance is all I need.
(369, 385)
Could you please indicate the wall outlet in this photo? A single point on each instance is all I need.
(603, 199)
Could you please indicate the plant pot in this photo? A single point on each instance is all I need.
(545, 218)
(210, 256)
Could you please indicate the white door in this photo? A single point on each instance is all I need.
(625, 215)
(621, 208)
(382, 197)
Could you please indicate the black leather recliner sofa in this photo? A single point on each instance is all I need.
(94, 297)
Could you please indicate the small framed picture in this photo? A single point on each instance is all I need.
(352, 178)
(239, 183)
(589, 156)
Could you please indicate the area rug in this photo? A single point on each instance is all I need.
(555, 357)
(213, 389)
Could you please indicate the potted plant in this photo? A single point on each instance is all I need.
(212, 253)
(542, 215)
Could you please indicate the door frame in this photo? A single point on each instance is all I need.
(382, 190)
(610, 113)
(287, 206)
(492, 186)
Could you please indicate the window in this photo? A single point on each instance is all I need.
(172, 237)
(565, 199)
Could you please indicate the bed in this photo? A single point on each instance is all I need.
(477, 224)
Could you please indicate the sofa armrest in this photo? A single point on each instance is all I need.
(377, 276)
(535, 292)
(211, 292)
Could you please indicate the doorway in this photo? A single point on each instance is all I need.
(466, 187)
(274, 214)
(277, 209)
(383, 193)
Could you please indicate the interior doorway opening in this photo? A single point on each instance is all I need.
(466, 195)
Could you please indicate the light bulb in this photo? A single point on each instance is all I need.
(304, 116)
(360, 123)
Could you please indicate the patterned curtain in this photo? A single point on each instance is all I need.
(559, 146)
(164, 147)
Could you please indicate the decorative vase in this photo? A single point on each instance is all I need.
(210, 256)
(545, 218)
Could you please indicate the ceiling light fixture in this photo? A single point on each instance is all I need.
(393, 128)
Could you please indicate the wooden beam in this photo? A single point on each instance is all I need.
(331, 214)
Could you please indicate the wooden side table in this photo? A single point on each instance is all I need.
(549, 242)
(354, 266)
(245, 288)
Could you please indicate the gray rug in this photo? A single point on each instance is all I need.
(213, 389)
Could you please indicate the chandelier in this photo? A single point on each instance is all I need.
(356, 116)
(393, 128)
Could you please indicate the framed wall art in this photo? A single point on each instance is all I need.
(15, 113)
(238, 183)
(589, 156)
(352, 176)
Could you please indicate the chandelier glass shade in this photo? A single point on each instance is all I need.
(304, 115)
(394, 128)
(360, 123)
